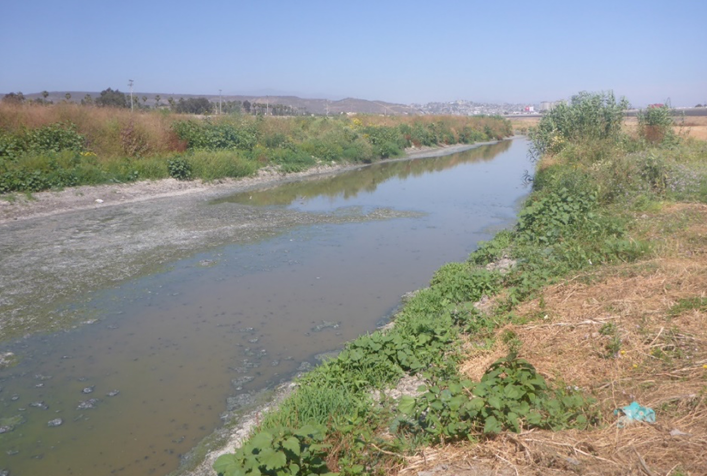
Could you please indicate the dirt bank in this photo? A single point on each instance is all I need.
(42, 204)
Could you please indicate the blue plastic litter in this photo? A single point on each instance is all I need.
(633, 413)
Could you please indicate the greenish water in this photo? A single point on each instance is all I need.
(231, 321)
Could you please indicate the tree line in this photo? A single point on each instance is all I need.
(199, 105)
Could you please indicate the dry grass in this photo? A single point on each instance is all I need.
(692, 126)
(659, 360)
(108, 130)
(521, 125)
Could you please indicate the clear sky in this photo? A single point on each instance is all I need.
(399, 51)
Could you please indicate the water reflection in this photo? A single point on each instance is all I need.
(185, 345)
(350, 184)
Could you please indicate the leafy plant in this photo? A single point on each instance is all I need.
(613, 346)
(655, 123)
(588, 117)
(179, 168)
(510, 395)
(458, 282)
(279, 452)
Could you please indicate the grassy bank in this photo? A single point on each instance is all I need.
(519, 356)
(64, 145)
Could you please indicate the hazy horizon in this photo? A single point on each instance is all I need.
(400, 52)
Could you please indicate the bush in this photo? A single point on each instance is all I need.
(655, 124)
(213, 135)
(179, 168)
(588, 117)
(283, 452)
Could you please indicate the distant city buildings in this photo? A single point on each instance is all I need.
(550, 105)
(471, 108)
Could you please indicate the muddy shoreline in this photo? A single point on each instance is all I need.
(57, 248)
(14, 207)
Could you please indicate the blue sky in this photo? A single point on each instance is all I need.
(398, 51)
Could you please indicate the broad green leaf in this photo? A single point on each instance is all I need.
(513, 421)
(292, 444)
(406, 405)
(261, 440)
(272, 459)
(457, 401)
(492, 426)
(227, 465)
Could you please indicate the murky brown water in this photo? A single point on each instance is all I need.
(237, 319)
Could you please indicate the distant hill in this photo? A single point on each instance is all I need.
(312, 106)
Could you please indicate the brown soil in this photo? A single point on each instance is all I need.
(660, 361)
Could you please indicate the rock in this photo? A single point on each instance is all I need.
(112, 393)
(240, 381)
(42, 377)
(10, 423)
(98, 200)
(326, 356)
(40, 405)
(408, 295)
(14, 398)
(503, 265)
(326, 325)
(88, 390)
(239, 401)
(407, 386)
(55, 422)
(87, 404)
(7, 359)
(304, 367)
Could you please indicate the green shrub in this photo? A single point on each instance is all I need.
(457, 282)
(588, 117)
(655, 124)
(179, 168)
(279, 452)
(511, 395)
(216, 135)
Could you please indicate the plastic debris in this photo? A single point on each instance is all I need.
(633, 413)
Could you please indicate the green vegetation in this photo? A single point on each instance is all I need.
(283, 452)
(63, 145)
(591, 182)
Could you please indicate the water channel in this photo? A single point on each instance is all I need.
(153, 373)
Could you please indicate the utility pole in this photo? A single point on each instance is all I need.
(220, 111)
(130, 83)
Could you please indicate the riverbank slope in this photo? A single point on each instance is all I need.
(528, 357)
